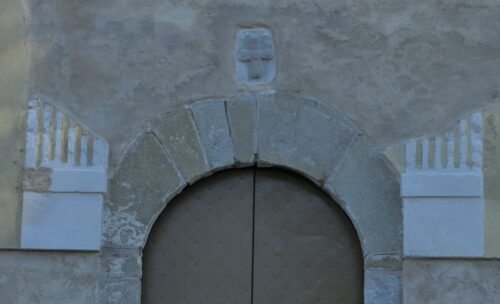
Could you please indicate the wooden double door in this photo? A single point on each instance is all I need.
(252, 236)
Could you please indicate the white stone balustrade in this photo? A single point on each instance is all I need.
(460, 148)
(55, 141)
(442, 191)
(65, 166)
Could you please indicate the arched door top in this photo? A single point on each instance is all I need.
(268, 129)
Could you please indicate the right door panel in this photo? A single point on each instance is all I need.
(305, 247)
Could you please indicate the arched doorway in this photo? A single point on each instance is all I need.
(253, 236)
(277, 129)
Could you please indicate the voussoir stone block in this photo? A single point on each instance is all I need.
(211, 121)
(383, 287)
(301, 133)
(124, 291)
(177, 132)
(242, 114)
(137, 192)
(369, 192)
(120, 262)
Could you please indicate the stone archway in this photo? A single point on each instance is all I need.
(272, 129)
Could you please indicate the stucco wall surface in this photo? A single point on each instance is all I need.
(491, 178)
(33, 277)
(13, 78)
(398, 69)
(451, 281)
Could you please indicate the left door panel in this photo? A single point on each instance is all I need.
(200, 248)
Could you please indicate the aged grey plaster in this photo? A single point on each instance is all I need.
(14, 62)
(290, 129)
(385, 64)
(37, 180)
(35, 277)
(451, 281)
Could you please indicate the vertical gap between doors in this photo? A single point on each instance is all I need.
(253, 233)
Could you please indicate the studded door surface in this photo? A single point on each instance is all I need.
(200, 248)
(252, 236)
(305, 249)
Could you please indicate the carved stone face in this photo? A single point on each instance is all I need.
(255, 57)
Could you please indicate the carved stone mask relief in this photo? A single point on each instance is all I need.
(255, 56)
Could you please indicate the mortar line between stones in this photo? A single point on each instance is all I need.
(208, 162)
(253, 234)
(229, 127)
(227, 119)
(256, 128)
(167, 154)
(342, 159)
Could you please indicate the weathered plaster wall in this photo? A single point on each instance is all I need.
(491, 180)
(451, 281)
(386, 64)
(13, 77)
(48, 277)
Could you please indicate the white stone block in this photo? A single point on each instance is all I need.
(78, 180)
(443, 227)
(445, 183)
(61, 221)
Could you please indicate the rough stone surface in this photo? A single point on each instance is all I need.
(301, 133)
(121, 291)
(451, 281)
(120, 262)
(137, 192)
(383, 287)
(210, 116)
(37, 180)
(242, 117)
(369, 192)
(177, 131)
(33, 277)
